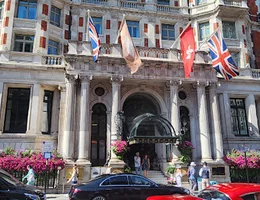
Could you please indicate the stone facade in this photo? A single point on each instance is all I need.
(33, 62)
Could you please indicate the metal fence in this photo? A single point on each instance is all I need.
(48, 178)
(239, 175)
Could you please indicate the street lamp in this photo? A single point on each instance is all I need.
(246, 149)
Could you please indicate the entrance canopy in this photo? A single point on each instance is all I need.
(150, 128)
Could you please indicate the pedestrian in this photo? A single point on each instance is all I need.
(178, 175)
(30, 176)
(137, 161)
(204, 174)
(74, 178)
(191, 176)
(146, 165)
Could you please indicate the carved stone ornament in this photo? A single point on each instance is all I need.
(85, 78)
(117, 78)
(71, 78)
(173, 83)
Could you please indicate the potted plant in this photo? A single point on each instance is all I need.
(170, 173)
(119, 148)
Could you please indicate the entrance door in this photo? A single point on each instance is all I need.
(98, 135)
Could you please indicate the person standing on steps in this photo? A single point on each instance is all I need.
(137, 161)
(146, 165)
(204, 174)
(191, 176)
(178, 175)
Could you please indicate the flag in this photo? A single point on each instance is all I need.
(129, 51)
(94, 38)
(188, 50)
(222, 61)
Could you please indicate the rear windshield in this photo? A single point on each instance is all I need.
(9, 179)
(212, 195)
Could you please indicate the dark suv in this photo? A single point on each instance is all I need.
(11, 188)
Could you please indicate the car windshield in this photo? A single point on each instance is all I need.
(9, 179)
(212, 195)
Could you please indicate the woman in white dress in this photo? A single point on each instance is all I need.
(178, 175)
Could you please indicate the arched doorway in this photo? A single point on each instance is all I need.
(98, 135)
(134, 106)
(185, 123)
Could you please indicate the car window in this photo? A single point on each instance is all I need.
(249, 197)
(135, 180)
(9, 179)
(213, 195)
(118, 180)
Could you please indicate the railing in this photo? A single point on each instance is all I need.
(163, 8)
(53, 60)
(106, 49)
(239, 175)
(232, 3)
(131, 4)
(153, 52)
(49, 177)
(101, 2)
(255, 73)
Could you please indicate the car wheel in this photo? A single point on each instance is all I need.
(99, 198)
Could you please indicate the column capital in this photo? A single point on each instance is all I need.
(62, 88)
(117, 78)
(85, 78)
(213, 85)
(170, 83)
(70, 78)
(75, 11)
(201, 84)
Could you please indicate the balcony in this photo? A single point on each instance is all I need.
(165, 8)
(132, 5)
(53, 60)
(255, 73)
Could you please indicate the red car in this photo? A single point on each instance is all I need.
(224, 191)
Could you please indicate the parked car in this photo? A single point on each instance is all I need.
(11, 188)
(224, 191)
(122, 187)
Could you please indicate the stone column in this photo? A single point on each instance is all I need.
(116, 83)
(68, 139)
(215, 122)
(174, 115)
(84, 142)
(227, 113)
(203, 123)
(251, 115)
(1, 96)
(34, 112)
(193, 134)
(62, 107)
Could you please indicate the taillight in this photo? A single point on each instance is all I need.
(76, 191)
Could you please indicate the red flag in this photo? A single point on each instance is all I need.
(188, 50)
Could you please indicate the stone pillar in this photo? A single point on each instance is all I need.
(116, 83)
(193, 134)
(84, 134)
(68, 139)
(203, 123)
(62, 107)
(227, 113)
(1, 96)
(75, 23)
(7, 25)
(174, 115)
(251, 115)
(215, 122)
(42, 27)
(34, 112)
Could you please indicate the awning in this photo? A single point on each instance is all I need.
(150, 128)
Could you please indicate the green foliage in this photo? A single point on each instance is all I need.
(127, 169)
(9, 151)
(170, 169)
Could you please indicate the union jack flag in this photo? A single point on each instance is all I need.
(94, 38)
(222, 61)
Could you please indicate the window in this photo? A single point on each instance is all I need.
(1, 8)
(229, 30)
(212, 194)
(163, 2)
(201, 2)
(249, 197)
(236, 57)
(53, 47)
(98, 24)
(23, 43)
(204, 30)
(238, 117)
(27, 9)
(46, 112)
(168, 32)
(17, 107)
(133, 27)
(135, 180)
(118, 180)
(55, 16)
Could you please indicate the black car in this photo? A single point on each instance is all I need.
(11, 188)
(122, 187)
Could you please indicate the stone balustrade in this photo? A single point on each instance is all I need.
(132, 4)
(165, 8)
(255, 73)
(53, 60)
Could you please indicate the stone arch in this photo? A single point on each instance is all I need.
(154, 94)
(92, 103)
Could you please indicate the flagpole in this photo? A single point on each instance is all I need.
(120, 28)
(180, 34)
(88, 26)
(205, 41)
